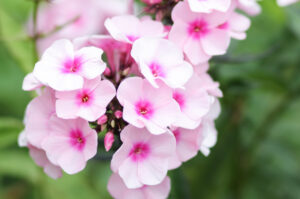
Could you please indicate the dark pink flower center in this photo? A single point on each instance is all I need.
(197, 29)
(156, 70)
(84, 97)
(144, 108)
(224, 26)
(179, 97)
(176, 134)
(132, 38)
(72, 65)
(139, 151)
(77, 140)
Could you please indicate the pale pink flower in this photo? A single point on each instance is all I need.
(37, 116)
(89, 103)
(146, 106)
(251, 7)
(210, 85)
(194, 102)
(129, 28)
(237, 25)
(207, 6)
(118, 189)
(286, 2)
(143, 158)
(31, 83)
(74, 19)
(117, 53)
(40, 158)
(160, 59)
(207, 130)
(70, 144)
(199, 34)
(201, 68)
(63, 68)
(39, 155)
(207, 136)
(187, 146)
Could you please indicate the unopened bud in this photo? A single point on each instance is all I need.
(113, 123)
(107, 72)
(102, 120)
(118, 114)
(151, 2)
(108, 140)
(126, 71)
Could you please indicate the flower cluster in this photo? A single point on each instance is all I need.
(153, 92)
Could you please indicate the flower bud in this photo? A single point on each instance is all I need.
(102, 120)
(107, 72)
(108, 140)
(118, 114)
(151, 2)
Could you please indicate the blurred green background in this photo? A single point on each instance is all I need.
(258, 150)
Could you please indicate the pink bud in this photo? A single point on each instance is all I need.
(102, 120)
(150, 2)
(118, 114)
(107, 72)
(108, 140)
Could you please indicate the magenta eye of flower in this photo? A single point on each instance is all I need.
(156, 70)
(77, 139)
(72, 65)
(139, 151)
(197, 29)
(179, 98)
(85, 98)
(144, 108)
(176, 134)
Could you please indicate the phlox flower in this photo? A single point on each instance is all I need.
(37, 154)
(70, 144)
(143, 157)
(31, 83)
(237, 25)
(251, 7)
(199, 34)
(146, 106)
(63, 68)
(186, 146)
(117, 53)
(40, 158)
(207, 6)
(88, 103)
(74, 19)
(37, 116)
(160, 59)
(128, 28)
(207, 136)
(208, 84)
(194, 102)
(286, 2)
(118, 189)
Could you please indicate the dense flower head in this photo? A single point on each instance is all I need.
(143, 89)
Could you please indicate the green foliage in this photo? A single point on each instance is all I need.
(258, 150)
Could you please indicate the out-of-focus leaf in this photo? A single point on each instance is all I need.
(17, 163)
(12, 33)
(294, 18)
(9, 131)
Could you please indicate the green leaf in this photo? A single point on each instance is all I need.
(9, 131)
(12, 32)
